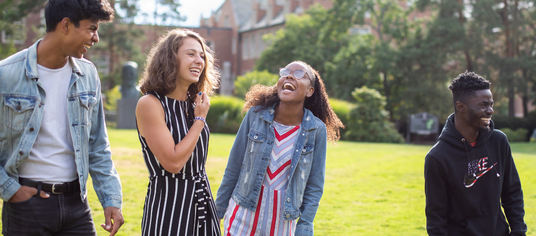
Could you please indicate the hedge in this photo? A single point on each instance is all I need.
(342, 109)
(513, 123)
(225, 114)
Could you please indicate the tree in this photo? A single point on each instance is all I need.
(496, 39)
(11, 12)
(244, 83)
(352, 67)
(370, 121)
(299, 40)
(117, 41)
(118, 38)
(171, 15)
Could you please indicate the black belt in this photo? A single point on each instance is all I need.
(58, 188)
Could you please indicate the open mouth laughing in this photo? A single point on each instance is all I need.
(195, 71)
(288, 87)
(486, 120)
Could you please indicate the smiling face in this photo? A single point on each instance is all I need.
(479, 110)
(79, 39)
(191, 61)
(290, 89)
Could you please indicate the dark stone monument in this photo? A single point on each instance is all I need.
(126, 106)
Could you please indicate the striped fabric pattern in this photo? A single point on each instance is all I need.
(267, 218)
(179, 204)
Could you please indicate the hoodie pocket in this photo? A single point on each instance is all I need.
(492, 226)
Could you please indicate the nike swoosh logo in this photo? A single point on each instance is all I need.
(469, 182)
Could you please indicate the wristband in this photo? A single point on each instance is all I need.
(200, 118)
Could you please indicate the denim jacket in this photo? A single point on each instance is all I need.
(21, 112)
(250, 156)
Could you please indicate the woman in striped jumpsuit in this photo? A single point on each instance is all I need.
(174, 136)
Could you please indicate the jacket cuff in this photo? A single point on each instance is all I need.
(112, 201)
(221, 212)
(304, 231)
(8, 189)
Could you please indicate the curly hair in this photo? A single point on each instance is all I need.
(76, 10)
(464, 86)
(161, 71)
(266, 96)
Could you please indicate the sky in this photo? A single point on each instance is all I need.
(192, 9)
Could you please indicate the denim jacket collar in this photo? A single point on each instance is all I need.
(31, 63)
(308, 122)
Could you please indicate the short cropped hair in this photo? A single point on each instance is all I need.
(465, 86)
(76, 10)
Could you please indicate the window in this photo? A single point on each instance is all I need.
(226, 22)
(245, 47)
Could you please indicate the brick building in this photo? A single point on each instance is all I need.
(249, 21)
(234, 31)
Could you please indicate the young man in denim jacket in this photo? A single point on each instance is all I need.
(53, 133)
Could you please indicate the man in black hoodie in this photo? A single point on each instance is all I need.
(470, 172)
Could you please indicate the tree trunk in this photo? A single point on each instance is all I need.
(509, 51)
(525, 105)
(461, 19)
(511, 101)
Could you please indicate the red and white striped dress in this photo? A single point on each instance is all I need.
(266, 219)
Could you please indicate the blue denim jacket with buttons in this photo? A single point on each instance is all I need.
(250, 156)
(21, 102)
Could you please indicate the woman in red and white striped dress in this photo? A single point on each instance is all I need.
(275, 174)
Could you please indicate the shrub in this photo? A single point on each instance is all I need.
(243, 83)
(514, 123)
(342, 109)
(225, 114)
(112, 95)
(518, 135)
(369, 120)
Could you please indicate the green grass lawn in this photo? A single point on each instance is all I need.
(370, 189)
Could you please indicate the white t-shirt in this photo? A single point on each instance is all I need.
(51, 158)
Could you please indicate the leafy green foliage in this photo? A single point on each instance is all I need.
(243, 83)
(518, 135)
(493, 38)
(112, 96)
(11, 13)
(117, 41)
(297, 41)
(225, 114)
(342, 110)
(351, 68)
(6, 50)
(369, 121)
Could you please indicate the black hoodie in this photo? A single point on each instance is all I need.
(465, 186)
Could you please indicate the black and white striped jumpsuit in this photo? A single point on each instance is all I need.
(179, 204)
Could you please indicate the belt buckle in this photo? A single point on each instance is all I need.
(54, 189)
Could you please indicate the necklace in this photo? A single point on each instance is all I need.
(185, 106)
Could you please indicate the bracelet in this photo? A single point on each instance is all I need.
(200, 118)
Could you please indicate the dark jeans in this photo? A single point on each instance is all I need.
(60, 214)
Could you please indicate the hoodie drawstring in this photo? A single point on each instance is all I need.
(495, 168)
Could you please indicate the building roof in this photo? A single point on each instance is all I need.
(242, 10)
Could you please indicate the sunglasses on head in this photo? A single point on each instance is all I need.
(298, 74)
